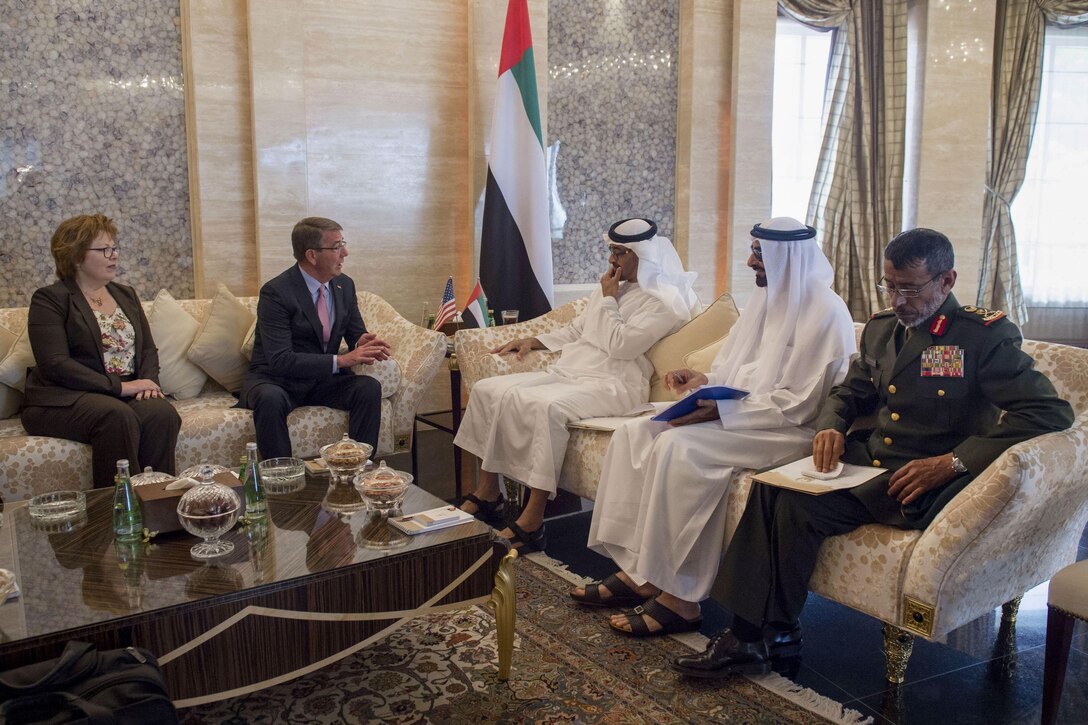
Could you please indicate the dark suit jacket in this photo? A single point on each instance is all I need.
(287, 347)
(921, 416)
(67, 344)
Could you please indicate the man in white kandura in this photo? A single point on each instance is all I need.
(517, 424)
(661, 504)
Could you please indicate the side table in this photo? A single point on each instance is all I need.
(455, 411)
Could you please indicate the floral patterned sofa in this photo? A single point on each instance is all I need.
(212, 430)
(1011, 529)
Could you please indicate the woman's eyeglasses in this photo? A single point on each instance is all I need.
(107, 252)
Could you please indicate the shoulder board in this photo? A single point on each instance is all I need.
(981, 314)
(886, 312)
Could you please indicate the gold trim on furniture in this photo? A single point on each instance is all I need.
(917, 617)
(1010, 609)
(503, 603)
(898, 644)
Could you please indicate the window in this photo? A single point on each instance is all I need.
(800, 75)
(1048, 213)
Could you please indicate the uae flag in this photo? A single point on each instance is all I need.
(515, 246)
(475, 312)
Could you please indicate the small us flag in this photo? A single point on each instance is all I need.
(448, 309)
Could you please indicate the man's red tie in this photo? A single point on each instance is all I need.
(323, 315)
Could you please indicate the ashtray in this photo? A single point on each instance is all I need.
(65, 525)
(282, 475)
(57, 506)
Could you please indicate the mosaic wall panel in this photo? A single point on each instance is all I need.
(93, 121)
(612, 100)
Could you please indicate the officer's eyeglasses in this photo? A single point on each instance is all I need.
(907, 293)
(334, 248)
(757, 252)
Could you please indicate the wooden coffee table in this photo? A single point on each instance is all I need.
(298, 592)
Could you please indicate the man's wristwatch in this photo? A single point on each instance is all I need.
(958, 465)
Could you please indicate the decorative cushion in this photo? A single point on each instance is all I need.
(706, 328)
(10, 400)
(19, 357)
(703, 358)
(247, 342)
(7, 340)
(218, 345)
(174, 330)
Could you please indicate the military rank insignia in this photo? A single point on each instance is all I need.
(942, 361)
(985, 316)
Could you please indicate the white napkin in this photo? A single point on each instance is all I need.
(182, 483)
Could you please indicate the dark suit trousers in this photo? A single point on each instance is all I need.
(767, 565)
(359, 395)
(143, 431)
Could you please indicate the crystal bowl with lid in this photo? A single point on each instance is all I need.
(345, 456)
(209, 510)
(383, 488)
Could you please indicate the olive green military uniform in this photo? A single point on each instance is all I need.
(938, 388)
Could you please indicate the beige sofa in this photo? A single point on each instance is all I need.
(1011, 529)
(203, 349)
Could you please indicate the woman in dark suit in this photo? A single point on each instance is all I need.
(97, 368)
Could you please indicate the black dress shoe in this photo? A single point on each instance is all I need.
(783, 644)
(725, 655)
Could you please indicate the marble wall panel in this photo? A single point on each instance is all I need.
(94, 121)
(612, 106)
(752, 105)
(360, 115)
(220, 131)
(704, 143)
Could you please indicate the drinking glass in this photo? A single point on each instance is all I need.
(509, 317)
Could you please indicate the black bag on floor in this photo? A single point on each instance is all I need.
(83, 685)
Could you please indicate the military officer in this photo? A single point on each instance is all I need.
(937, 376)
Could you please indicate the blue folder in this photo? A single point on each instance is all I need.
(689, 403)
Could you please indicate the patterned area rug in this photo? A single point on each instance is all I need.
(569, 666)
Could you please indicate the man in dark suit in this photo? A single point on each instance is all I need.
(302, 316)
(951, 390)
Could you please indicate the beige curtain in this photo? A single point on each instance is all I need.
(857, 195)
(1014, 102)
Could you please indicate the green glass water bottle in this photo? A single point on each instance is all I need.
(128, 521)
(256, 503)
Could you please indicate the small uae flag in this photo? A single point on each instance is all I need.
(475, 312)
(448, 309)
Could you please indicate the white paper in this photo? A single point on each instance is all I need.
(793, 475)
(431, 520)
